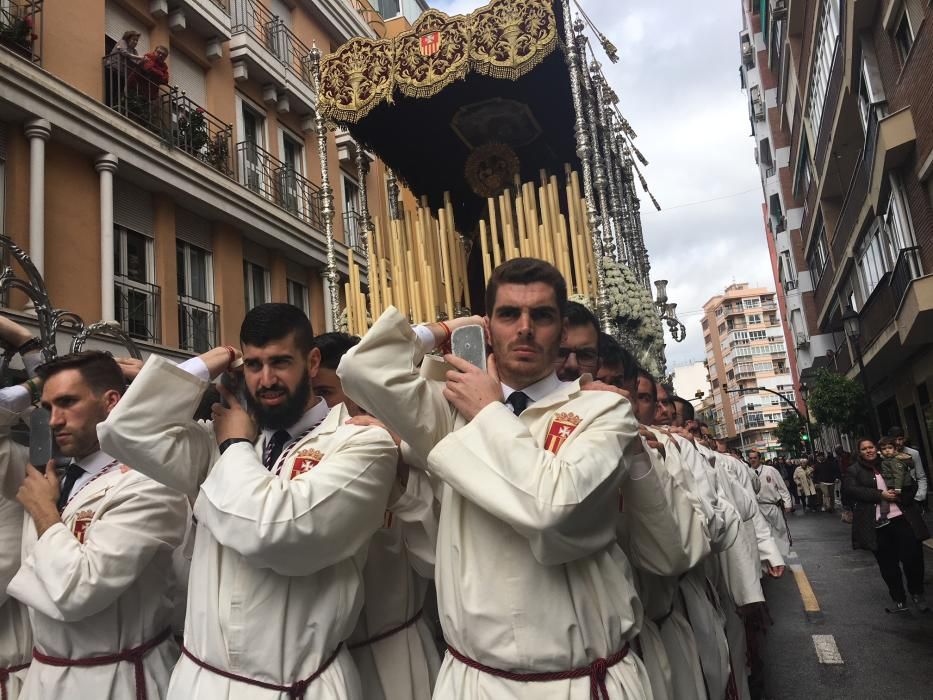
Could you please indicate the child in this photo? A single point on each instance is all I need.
(895, 470)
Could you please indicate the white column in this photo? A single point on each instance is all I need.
(38, 132)
(106, 165)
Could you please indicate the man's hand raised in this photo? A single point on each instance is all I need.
(232, 422)
(469, 389)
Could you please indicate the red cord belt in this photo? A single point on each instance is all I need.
(388, 633)
(5, 674)
(134, 655)
(296, 691)
(596, 672)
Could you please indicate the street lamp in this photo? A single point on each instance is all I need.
(852, 325)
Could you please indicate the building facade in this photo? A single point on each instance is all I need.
(173, 204)
(748, 367)
(842, 116)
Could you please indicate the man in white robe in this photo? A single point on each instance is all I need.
(285, 512)
(392, 645)
(529, 577)
(96, 570)
(774, 500)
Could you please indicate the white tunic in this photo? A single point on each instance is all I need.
(399, 567)
(109, 591)
(773, 498)
(15, 632)
(275, 583)
(528, 573)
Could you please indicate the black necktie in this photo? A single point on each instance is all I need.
(73, 472)
(519, 401)
(275, 446)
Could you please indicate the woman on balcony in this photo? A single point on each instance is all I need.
(126, 47)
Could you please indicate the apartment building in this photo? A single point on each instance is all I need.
(173, 208)
(842, 115)
(750, 382)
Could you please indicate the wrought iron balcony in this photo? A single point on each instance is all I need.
(197, 324)
(263, 42)
(137, 309)
(21, 28)
(906, 269)
(168, 113)
(354, 234)
(270, 178)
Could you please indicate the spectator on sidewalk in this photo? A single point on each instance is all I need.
(919, 472)
(844, 459)
(895, 542)
(825, 473)
(803, 477)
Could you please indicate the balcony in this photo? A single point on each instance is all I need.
(137, 309)
(173, 117)
(371, 16)
(906, 269)
(354, 235)
(197, 324)
(21, 28)
(207, 18)
(265, 50)
(270, 178)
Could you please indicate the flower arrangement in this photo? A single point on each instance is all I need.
(193, 135)
(634, 315)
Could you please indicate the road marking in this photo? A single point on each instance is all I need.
(792, 555)
(826, 650)
(810, 604)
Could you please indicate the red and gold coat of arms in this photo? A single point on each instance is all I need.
(305, 461)
(429, 43)
(562, 424)
(82, 521)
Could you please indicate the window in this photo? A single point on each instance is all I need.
(763, 367)
(804, 173)
(821, 66)
(389, 8)
(251, 132)
(298, 295)
(197, 315)
(135, 296)
(873, 261)
(351, 207)
(819, 256)
(751, 303)
(753, 318)
(290, 189)
(897, 217)
(255, 284)
(903, 33)
(757, 335)
(871, 97)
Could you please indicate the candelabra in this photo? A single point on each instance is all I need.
(668, 312)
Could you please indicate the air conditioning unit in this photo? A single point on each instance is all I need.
(748, 52)
(803, 340)
(758, 104)
(778, 9)
(789, 285)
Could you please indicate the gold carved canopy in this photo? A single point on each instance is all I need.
(504, 39)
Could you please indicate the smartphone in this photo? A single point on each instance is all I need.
(469, 343)
(42, 445)
(236, 385)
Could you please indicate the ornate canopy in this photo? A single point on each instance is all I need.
(456, 103)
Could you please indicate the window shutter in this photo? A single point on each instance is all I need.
(117, 20)
(132, 208)
(192, 229)
(278, 7)
(255, 253)
(188, 76)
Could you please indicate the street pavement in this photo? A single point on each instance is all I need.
(880, 655)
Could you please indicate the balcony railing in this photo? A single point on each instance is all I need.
(906, 269)
(21, 28)
(270, 178)
(197, 324)
(253, 18)
(354, 233)
(137, 309)
(168, 113)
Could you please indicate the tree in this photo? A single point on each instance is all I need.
(789, 432)
(838, 402)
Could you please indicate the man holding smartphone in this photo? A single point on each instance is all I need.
(535, 596)
(97, 547)
(287, 497)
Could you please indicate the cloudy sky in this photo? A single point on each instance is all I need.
(678, 81)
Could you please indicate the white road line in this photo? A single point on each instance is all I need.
(791, 555)
(826, 650)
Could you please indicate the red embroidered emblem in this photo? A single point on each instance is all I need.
(429, 43)
(562, 424)
(82, 521)
(305, 461)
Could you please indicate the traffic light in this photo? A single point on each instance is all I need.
(805, 437)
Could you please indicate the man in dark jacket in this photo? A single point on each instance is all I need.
(825, 473)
